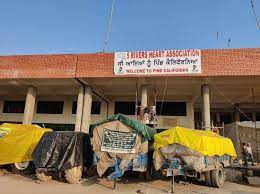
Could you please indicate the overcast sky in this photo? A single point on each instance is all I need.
(79, 26)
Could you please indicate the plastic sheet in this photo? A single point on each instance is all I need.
(173, 150)
(63, 150)
(17, 142)
(119, 160)
(146, 131)
(207, 143)
(165, 155)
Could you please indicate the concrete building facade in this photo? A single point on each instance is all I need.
(75, 90)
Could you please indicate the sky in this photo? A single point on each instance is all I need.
(79, 26)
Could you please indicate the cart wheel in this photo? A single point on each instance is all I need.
(41, 176)
(207, 178)
(74, 174)
(218, 177)
(23, 168)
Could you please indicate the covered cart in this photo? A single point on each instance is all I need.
(17, 142)
(120, 144)
(63, 153)
(197, 153)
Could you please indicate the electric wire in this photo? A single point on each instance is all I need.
(164, 91)
(230, 101)
(254, 11)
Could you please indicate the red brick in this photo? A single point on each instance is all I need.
(218, 62)
(38, 66)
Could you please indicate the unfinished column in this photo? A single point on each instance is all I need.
(144, 95)
(144, 102)
(86, 110)
(190, 114)
(111, 108)
(79, 108)
(29, 105)
(205, 106)
(236, 113)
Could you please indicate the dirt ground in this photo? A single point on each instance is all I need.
(11, 183)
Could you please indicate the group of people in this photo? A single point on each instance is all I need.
(247, 154)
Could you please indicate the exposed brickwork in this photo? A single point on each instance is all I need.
(38, 66)
(231, 62)
(224, 62)
(96, 65)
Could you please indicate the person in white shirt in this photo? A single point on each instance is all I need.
(250, 153)
(245, 154)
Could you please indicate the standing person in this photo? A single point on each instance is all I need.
(250, 153)
(245, 154)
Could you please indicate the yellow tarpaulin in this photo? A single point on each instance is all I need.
(207, 143)
(18, 141)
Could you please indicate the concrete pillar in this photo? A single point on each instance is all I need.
(79, 108)
(144, 103)
(236, 113)
(205, 107)
(144, 95)
(29, 105)
(190, 114)
(67, 110)
(111, 108)
(86, 110)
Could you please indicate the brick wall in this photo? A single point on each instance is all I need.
(95, 65)
(231, 62)
(222, 62)
(38, 66)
